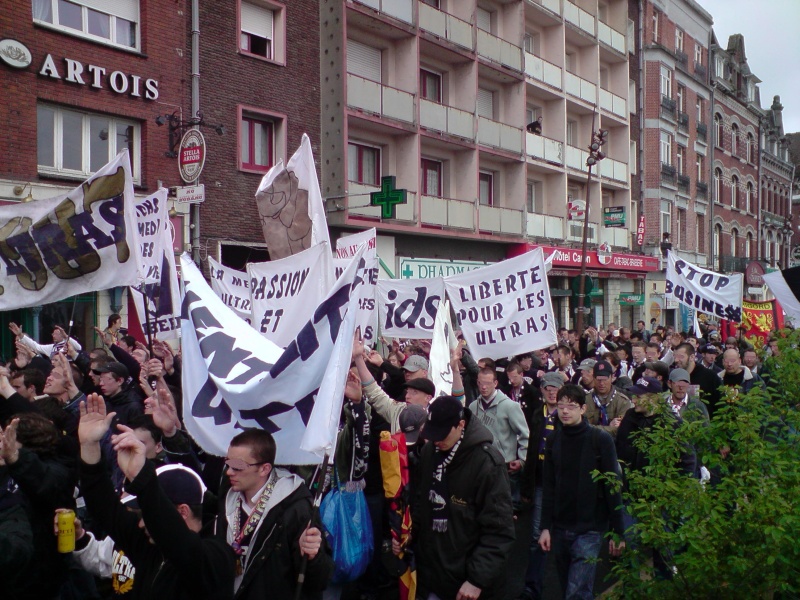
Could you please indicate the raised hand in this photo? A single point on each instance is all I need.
(130, 452)
(94, 421)
(16, 329)
(107, 338)
(358, 345)
(162, 407)
(352, 388)
(9, 446)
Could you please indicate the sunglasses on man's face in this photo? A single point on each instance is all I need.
(237, 464)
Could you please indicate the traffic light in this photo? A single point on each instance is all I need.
(599, 138)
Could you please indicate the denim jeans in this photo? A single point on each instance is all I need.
(576, 561)
(537, 558)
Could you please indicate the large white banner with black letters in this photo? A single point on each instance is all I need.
(285, 292)
(347, 246)
(367, 315)
(234, 378)
(504, 309)
(82, 241)
(704, 290)
(233, 288)
(407, 307)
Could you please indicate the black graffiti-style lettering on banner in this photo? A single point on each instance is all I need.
(409, 312)
(704, 304)
(66, 242)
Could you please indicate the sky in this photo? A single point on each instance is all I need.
(772, 46)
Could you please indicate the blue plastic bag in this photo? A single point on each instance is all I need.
(348, 530)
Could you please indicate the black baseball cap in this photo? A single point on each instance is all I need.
(444, 413)
(412, 418)
(180, 484)
(646, 385)
(422, 384)
(602, 368)
(116, 368)
(709, 349)
(659, 367)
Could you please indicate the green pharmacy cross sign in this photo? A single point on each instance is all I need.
(388, 198)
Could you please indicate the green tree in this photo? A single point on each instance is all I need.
(737, 536)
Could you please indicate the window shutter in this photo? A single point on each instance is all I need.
(363, 60)
(484, 19)
(485, 103)
(127, 9)
(257, 20)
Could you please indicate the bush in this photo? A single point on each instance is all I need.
(739, 535)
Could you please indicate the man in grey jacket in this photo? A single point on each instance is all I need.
(505, 419)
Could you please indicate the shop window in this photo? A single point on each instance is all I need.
(114, 23)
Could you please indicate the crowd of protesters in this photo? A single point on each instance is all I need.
(99, 431)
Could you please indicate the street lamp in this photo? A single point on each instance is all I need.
(599, 138)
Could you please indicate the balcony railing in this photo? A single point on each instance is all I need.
(539, 146)
(615, 236)
(683, 121)
(668, 106)
(701, 187)
(542, 70)
(668, 173)
(358, 203)
(612, 103)
(733, 264)
(447, 212)
(499, 50)
(497, 219)
(700, 70)
(702, 131)
(379, 99)
(545, 226)
(684, 182)
(576, 158)
(446, 119)
(579, 17)
(499, 135)
(613, 169)
(446, 26)
(401, 10)
(681, 58)
(579, 87)
(551, 5)
(611, 37)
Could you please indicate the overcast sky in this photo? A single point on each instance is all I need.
(772, 45)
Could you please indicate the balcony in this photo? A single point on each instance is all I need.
(544, 148)
(495, 219)
(681, 59)
(545, 226)
(575, 231)
(499, 50)
(402, 10)
(580, 88)
(450, 213)
(579, 17)
(446, 119)
(358, 203)
(683, 121)
(668, 173)
(499, 135)
(445, 26)
(551, 5)
(611, 37)
(576, 158)
(733, 264)
(614, 169)
(668, 106)
(382, 100)
(702, 132)
(701, 188)
(700, 71)
(615, 236)
(684, 182)
(542, 70)
(612, 103)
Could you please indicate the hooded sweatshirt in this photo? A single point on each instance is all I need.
(505, 419)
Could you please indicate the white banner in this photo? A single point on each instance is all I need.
(285, 292)
(160, 288)
(367, 317)
(79, 242)
(233, 288)
(703, 290)
(504, 309)
(290, 205)
(233, 378)
(407, 307)
(444, 340)
(346, 247)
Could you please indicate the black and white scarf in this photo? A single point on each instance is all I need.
(438, 494)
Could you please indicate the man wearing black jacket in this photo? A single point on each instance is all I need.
(121, 396)
(576, 510)
(175, 556)
(705, 382)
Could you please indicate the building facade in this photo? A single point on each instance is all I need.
(440, 94)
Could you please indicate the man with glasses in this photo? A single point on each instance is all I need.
(265, 517)
(576, 509)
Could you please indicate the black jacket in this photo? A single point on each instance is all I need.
(708, 382)
(181, 564)
(596, 503)
(128, 405)
(533, 471)
(274, 562)
(480, 532)
(16, 536)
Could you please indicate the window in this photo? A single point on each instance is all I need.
(572, 132)
(681, 166)
(680, 98)
(666, 82)
(748, 245)
(719, 66)
(532, 43)
(655, 26)
(363, 164)
(718, 239)
(701, 111)
(256, 143)
(631, 36)
(734, 241)
(602, 12)
(485, 103)
(678, 39)
(700, 163)
(110, 22)
(751, 148)
(700, 234)
(571, 62)
(431, 178)
(363, 61)
(718, 130)
(257, 30)
(433, 3)
(484, 19)
(535, 197)
(486, 188)
(76, 144)
(633, 161)
(430, 85)
(718, 185)
(604, 78)
(680, 229)
(734, 192)
(632, 96)
(698, 54)
(735, 139)
(666, 148)
(666, 217)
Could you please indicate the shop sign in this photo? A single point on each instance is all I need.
(15, 54)
(640, 232)
(422, 268)
(754, 273)
(575, 210)
(190, 194)
(97, 77)
(192, 155)
(631, 299)
(614, 216)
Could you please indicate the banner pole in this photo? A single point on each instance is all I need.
(316, 489)
(71, 320)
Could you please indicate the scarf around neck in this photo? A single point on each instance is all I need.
(438, 494)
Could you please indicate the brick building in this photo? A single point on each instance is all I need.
(83, 80)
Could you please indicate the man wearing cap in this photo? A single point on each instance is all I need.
(709, 353)
(415, 367)
(658, 370)
(174, 555)
(705, 384)
(121, 397)
(463, 528)
(680, 400)
(542, 426)
(586, 369)
(564, 364)
(608, 404)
